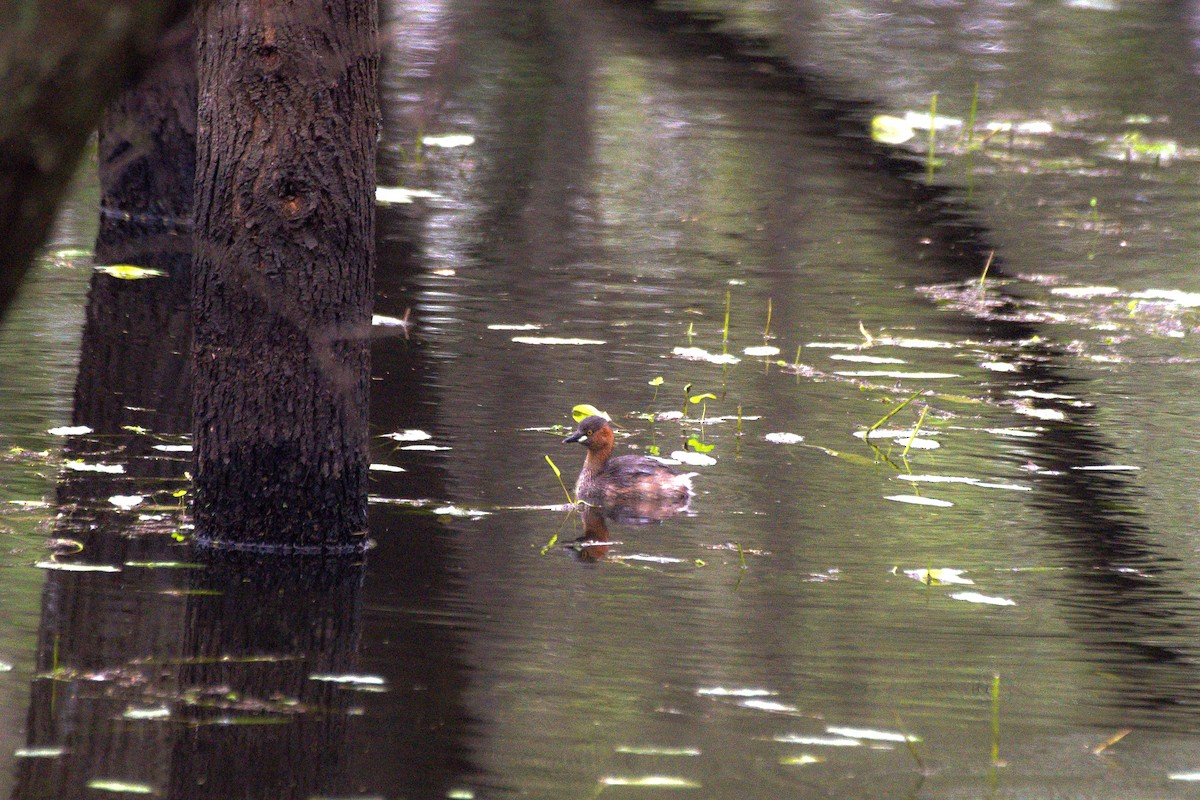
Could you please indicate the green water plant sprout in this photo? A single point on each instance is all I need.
(932, 137)
(558, 474)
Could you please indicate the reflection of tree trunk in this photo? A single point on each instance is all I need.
(105, 636)
(285, 254)
(60, 63)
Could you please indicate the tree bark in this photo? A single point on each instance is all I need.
(283, 278)
(60, 64)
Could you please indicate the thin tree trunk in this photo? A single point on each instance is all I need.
(285, 183)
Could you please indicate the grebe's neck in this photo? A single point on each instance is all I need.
(596, 459)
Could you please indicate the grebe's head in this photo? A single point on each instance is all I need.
(594, 433)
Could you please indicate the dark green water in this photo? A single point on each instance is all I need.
(623, 191)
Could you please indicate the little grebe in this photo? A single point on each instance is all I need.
(630, 480)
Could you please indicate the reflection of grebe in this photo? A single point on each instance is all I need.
(638, 486)
(594, 544)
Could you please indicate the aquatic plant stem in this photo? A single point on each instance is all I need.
(995, 695)
(891, 414)
(932, 137)
(917, 427)
(986, 267)
(558, 474)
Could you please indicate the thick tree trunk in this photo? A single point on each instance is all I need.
(60, 64)
(285, 183)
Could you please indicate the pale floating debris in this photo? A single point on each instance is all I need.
(69, 430)
(388, 322)
(123, 787)
(389, 195)
(39, 752)
(976, 597)
(887, 129)
(174, 448)
(999, 366)
(836, 345)
(920, 120)
(896, 374)
(555, 340)
(410, 435)
(914, 344)
(1050, 414)
(634, 750)
(655, 781)
(867, 359)
(1085, 292)
(5, 666)
(721, 691)
(871, 734)
(668, 416)
(157, 712)
(1184, 776)
(700, 354)
(886, 433)
(356, 680)
(961, 479)
(736, 282)
(693, 458)
(457, 511)
(784, 438)
(764, 350)
(915, 500)
(445, 272)
(29, 503)
(449, 140)
(1036, 395)
(651, 559)
(801, 760)
(385, 468)
(919, 443)
(460, 793)
(725, 418)
(1015, 432)
(125, 502)
(426, 447)
(821, 741)
(128, 272)
(63, 566)
(945, 575)
(81, 466)
(769, 705)
(1108, 468)
(1173, 296)
(527, 326)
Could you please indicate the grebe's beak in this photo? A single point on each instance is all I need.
(577, 436)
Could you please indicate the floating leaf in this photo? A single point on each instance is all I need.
(922, 121)
(939, 576)
(976, 597)
(887, 129)
(66, 566)
(388, 322)
(655, 781)
(656, 381)
(800, 760)
(866, 359)
(126, 501)
(694, 459)
(784, 438)
(80, 466)
(390, 195)
(699, 446)
(410, 435)
(555, 340)
(700, 354)
(128, 272)
(125, 787)
(449, 140)
(582, 411)
(656, 751)
(870, 734)
(721, 691)
(702, 397)
(915, 500)
(69, 430)
(823, 741)
(762, 351)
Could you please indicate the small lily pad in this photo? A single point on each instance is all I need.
(129, 272)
